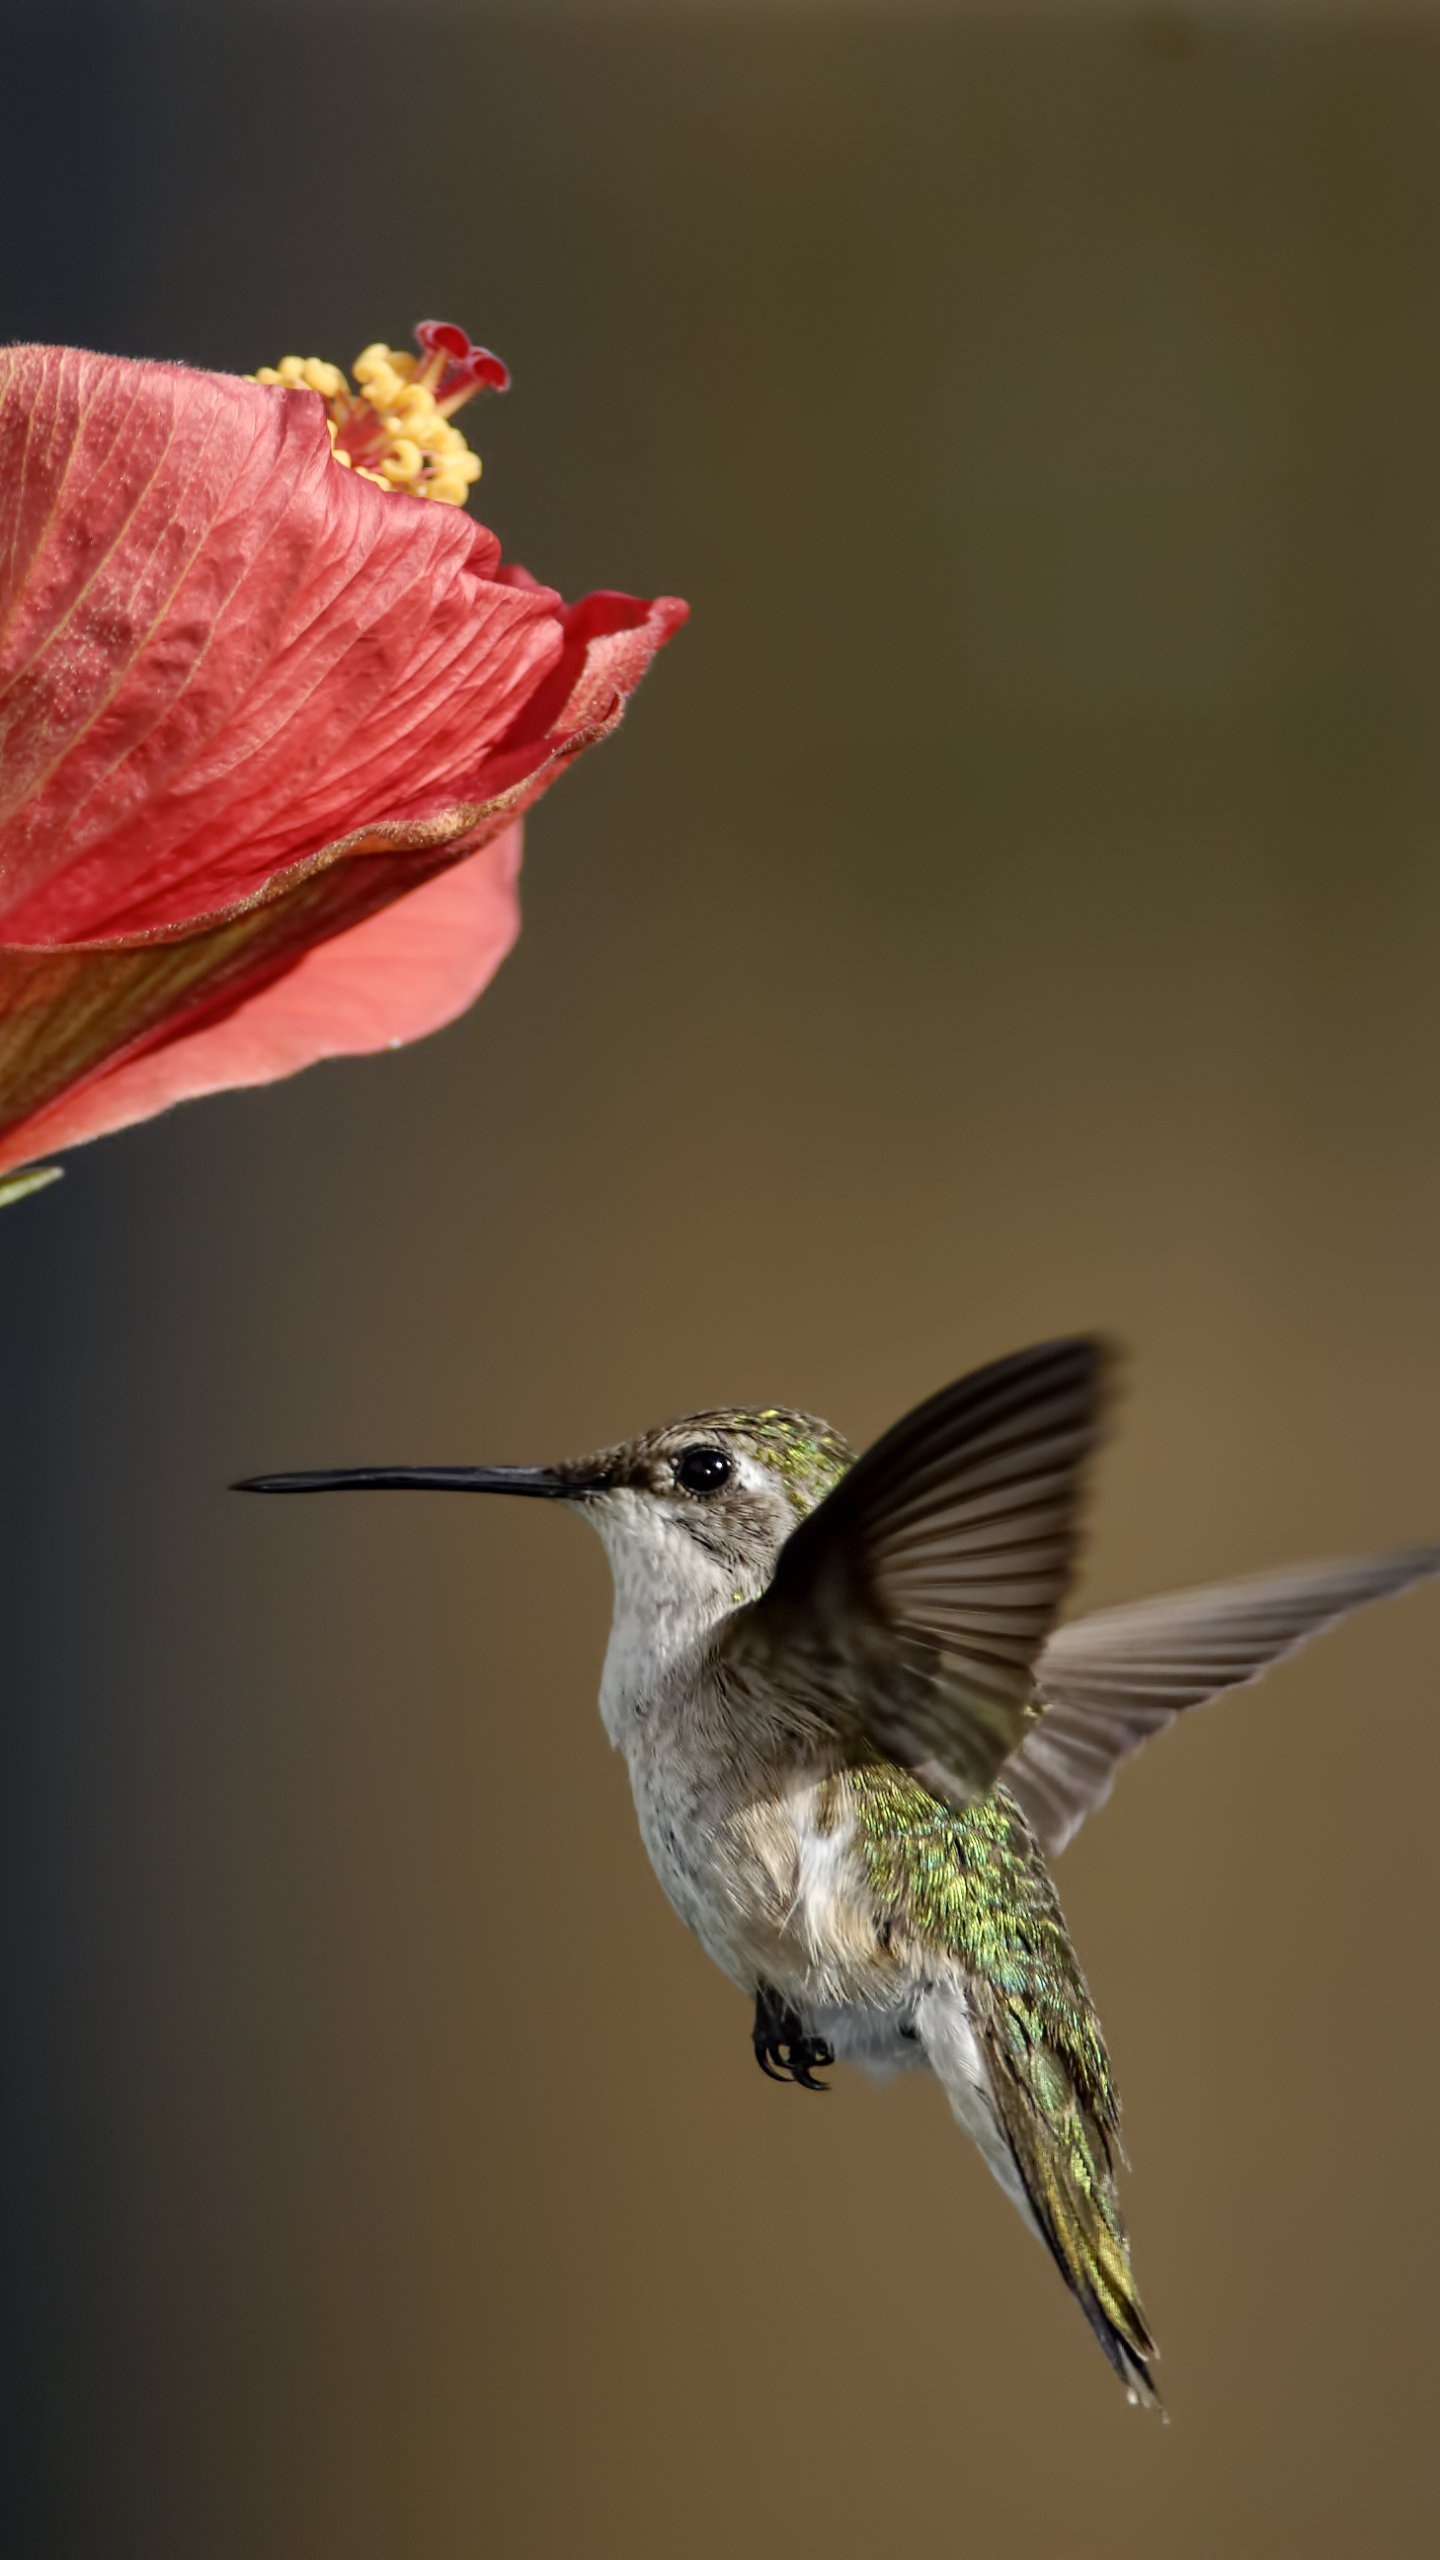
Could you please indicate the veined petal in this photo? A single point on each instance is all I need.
(404, 972)
(218, 651)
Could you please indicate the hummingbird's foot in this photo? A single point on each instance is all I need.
(783, 2049)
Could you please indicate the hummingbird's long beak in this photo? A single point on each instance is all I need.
(552, 1482)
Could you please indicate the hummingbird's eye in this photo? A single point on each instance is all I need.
(702, 1469)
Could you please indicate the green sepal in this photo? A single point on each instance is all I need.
(34, 1177)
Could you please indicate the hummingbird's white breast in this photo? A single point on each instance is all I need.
(747, 1833)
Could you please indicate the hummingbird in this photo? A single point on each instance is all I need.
(856, 1731)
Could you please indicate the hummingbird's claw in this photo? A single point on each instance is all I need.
(783, 2049)
(807, 2054)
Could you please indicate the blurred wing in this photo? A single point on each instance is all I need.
(1108, 1682)
(910, 1607)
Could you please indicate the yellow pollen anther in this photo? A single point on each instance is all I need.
(404, 462)
(389, 428)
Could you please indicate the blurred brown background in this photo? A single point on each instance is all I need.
(1012, 905)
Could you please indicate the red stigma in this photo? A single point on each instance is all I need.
(467, 367)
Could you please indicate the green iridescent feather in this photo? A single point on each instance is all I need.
(806, 1454)
(972, 1882)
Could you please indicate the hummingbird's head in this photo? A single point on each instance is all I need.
(699, 1509)
(694, 1513)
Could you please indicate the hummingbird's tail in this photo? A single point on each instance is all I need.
(1051, 2146)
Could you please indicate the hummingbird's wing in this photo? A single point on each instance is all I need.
(1108, 1682)
(910, 1606)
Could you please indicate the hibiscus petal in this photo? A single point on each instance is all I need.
(222, 653)
(404, 972)
(247, 701)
